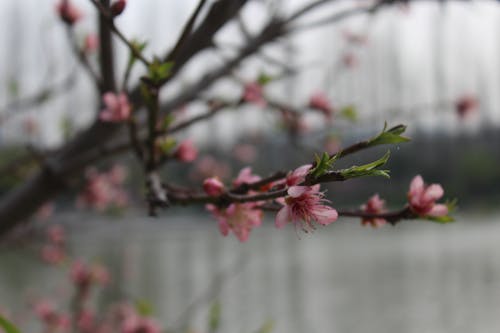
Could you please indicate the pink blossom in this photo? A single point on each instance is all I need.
(466, 105)
(117, 107)
(245, 153)
(303, 205)
(422, 198)
(56, 234)
(136, 324)
(118, 7)
(245, 176)
(186, 151)
(46, 312)
(208, 166)
(117, 174)
(298, 175)
(45, 211)
(30, 126)
(85, 321)
(374, 205)
(91, 43)
(252, 93)
(81, 276)
(213, 186)
(103, 190)
(354, 38)
(68, 12)
(240, 218)
(350, 60)
(52, 254)
(319, 101)
(332, 145)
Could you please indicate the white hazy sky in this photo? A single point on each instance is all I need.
(426, 55)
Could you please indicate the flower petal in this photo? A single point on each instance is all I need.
(325, 215)
(282, 217)
(438, 210)
(433, 192)
(297, 191)
(416, 185)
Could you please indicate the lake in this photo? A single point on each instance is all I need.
(416, 277)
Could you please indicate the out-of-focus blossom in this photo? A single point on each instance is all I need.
(117, 107)
(354, 38)
(239, 218)
(186, 151)
(466, 105)
(30, 126)
(104, 190)
(85, 321)
(45, 211)
(56, 234)
(319, 101)
(46, 312)
(253, 93)
(213, 186)
(332, 145)
(294, 122)
(302, 206)
(245, 176)
(422, 198)
(245, 153)
(350, 60)
(374, 205)
(91, 43)
(84, 276)
(68, 12)
(136, 324)
(52, 254)
(208, 166)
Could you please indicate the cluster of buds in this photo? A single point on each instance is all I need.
(117, 108)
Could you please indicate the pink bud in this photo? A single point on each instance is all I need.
(252, 93)
(319, 101)
(118, 7)
(91, 43)
(68, 12)
(186, 151)
(117, 107)
(213, 187)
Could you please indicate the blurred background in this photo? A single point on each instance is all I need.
(432, 65)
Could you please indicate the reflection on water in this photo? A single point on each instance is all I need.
(417, 277)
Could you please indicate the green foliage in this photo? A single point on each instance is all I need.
(7, 326)
(323, 165)
(389, 136)
(349, 112)
(138, 47)
(264, 79)
(214, 316)
(144, 308)
(159, 71)
(267, 327)
(166, 145)
(369, 169)
(167, 121)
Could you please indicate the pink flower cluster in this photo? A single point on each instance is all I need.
(239, 218)
(54, 251)
(422, 198)
(213, 186)
(117, 107)
(104, 190)
(84, 276)
(374, 205)
(252, 93)
(49, 316)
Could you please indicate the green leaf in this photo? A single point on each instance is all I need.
(323, 165)
(369, 169)
(349, 112)
(159, 71)
(267, 327)
(139, 47)
(264, 79)
(144, 308)
(167, 144)
(7, 326)
(390, 136)
(167, 121)
(214, 316)
(440, 219)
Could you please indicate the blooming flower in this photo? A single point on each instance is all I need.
(303, 205)
(238, 217)
(46, 312)
(68, 12)
(319, 101)
(298, 175)
(245, 176)
(374, 205)
(186, 151)
(213, 186)
(252, 93)
(104, 190)
(117, 107)
(422, 198)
